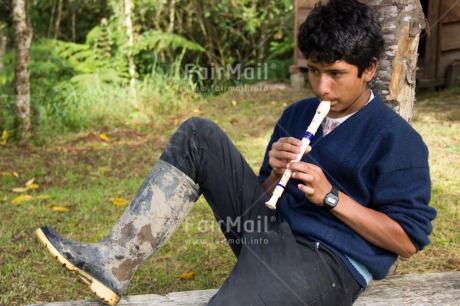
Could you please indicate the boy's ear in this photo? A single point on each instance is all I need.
(370, 71)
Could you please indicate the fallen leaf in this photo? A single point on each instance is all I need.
(187, 275)
(104, 137)
(30, 182)
(21, 198)
(20, 189)
(49, 205)
(59, 209)
(119, 201)
(102, 170)
(196, 111)
(234, 103)
(5, 199)
(15, 174)
(4, 138)
(32, 186)
(42, 197)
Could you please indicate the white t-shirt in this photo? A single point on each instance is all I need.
(329, 124)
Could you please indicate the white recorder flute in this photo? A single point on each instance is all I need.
(321, 113)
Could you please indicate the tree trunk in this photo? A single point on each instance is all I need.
(131, 64)
(57, 24)
(3, 42)
(172, 15)
(74, 32)
(23, 38)
(50, 27)
(402, 22)
(158, 15)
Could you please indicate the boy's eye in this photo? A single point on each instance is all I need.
(336, 73)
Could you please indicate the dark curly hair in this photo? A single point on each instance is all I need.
(342, 30)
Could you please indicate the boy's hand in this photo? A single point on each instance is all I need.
(284, 151)
(315, 184)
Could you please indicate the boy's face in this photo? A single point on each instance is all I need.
(339, 83)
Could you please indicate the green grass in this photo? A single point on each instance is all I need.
(83, 174)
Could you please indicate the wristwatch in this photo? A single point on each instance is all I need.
(331, 199)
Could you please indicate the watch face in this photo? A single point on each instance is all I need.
(331, 200)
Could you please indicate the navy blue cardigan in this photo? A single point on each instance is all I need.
(376, 158)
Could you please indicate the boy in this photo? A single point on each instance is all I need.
(355, 202)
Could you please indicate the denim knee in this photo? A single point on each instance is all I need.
(182, 150)
(194, 124)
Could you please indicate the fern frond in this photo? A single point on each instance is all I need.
(161, 41)
(78, 56)
(107, 76)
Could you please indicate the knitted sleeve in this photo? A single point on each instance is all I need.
(404, 196)
(403, 188)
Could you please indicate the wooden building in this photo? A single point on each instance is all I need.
(439, 51)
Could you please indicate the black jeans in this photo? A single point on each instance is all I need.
(274, 266)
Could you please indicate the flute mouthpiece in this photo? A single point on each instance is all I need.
(324, 107)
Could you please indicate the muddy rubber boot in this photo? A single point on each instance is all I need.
(160, 205)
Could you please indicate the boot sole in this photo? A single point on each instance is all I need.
(100, 290)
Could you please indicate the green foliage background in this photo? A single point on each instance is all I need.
(79, 70)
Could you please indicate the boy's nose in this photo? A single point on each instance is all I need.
(324, 85)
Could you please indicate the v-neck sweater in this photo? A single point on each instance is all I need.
(377, 159)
